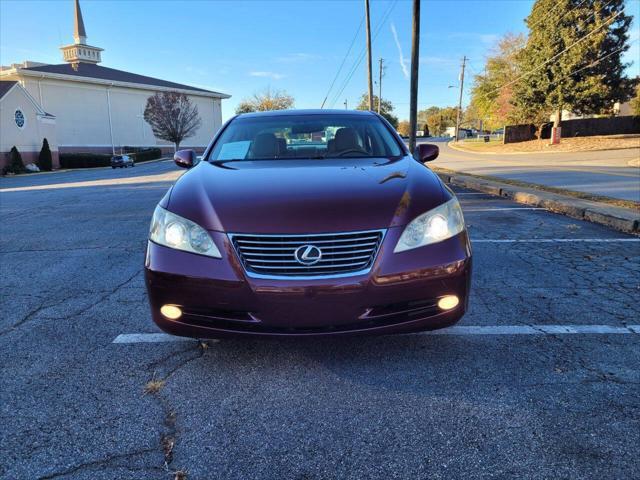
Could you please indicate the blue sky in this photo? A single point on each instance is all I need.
(240, 47)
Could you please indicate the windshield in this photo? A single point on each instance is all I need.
(305, 136)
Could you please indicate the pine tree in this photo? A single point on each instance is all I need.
(45, 162)
(15, 161)
(587, 78)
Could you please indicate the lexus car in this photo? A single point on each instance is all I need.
(307, 222)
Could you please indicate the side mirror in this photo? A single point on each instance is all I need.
(425, 152)
(185, 158)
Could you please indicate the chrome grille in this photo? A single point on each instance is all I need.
(275, 255)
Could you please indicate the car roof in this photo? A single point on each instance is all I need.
(312, 111)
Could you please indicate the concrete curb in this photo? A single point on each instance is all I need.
(453, 146)
(65, 170)
(623, 219)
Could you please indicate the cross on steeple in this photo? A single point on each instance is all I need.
(80, 51)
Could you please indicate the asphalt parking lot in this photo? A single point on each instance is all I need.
(539, 380)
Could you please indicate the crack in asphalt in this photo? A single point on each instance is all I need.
(103, 462)
(169, 438)
(32, 314)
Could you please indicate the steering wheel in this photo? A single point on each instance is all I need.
(352, 150)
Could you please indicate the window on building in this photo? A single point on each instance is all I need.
(19, 118)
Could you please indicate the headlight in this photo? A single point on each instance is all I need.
(434, 226)
(172, 231)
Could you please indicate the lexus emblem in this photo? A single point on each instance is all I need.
(308, 255)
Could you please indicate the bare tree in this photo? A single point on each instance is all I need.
(266, 100)
(172, 117)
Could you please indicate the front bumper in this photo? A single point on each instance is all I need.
(398, 295)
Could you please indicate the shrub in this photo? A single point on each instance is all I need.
(93, 160)
(15, 162)
(145, 154)
(84, 160)
(45, 162)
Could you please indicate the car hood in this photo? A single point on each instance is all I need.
(306, 196)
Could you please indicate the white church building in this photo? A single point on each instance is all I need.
(87, 107)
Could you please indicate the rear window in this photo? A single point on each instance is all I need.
(305, 136)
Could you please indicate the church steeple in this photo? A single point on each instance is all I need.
(80, 52)
(79, 34)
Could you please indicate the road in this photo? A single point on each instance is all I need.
(516, 397)
(601, 172)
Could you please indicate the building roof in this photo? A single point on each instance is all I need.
(88, 70)
(5, 86)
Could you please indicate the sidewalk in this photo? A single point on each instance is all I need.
(607, 173)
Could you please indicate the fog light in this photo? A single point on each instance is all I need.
(171, 312)
(448, 302)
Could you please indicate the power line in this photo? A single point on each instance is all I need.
(360, 57)
(595, 62)
(362, 53)
(353, 41)
(526, 74)
(561, 16)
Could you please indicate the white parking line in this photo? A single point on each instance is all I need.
(149, 338)
(554, 240)
(500, 209)
(536, 330)
(462, 330)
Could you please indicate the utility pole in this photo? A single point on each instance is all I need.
(380, 86)
(464, 61)
(345, 104)
(413, 96)
(366, 6)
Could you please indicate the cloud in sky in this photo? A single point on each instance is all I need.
(272, 75)
(403, 61)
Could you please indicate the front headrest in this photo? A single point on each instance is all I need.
(265, 145)
(346, 139)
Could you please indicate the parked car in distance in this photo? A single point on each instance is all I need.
(122, 161)
(308, 222)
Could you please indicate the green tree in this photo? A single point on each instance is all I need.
(635, 102)
(404, 128)
(424, 114)
(265, 101)
(439, 119)
(45, 163)
(15, 161)
(489, 102)
(386, 108)
(572, 59)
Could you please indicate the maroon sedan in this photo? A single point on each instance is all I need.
(307, 223)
